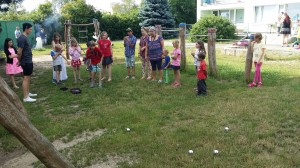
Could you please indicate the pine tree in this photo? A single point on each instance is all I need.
(156, 12)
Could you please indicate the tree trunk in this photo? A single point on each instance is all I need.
(182, 29)
(13, 117)
(211, 47)
(248, 65)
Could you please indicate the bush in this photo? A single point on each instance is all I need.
(225, 29)
(116, 25)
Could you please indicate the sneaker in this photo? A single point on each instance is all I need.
(149, 78)
(103, 78)
(160, 81)
(32, 95)
(251, 85)
(100, 85)
(127, 77)
(153, 80)
(91, 84)
(28, 99)
(133, 77)
(176, 85)
(143, 78)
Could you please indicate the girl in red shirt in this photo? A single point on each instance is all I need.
(106, 48)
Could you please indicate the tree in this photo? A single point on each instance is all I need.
(124, 7)
(58, 4)
(42, 12)
(156, 12)
(184, 11)
(5, 4)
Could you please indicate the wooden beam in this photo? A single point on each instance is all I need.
(13, 117)
(182, 29)
(211, 47)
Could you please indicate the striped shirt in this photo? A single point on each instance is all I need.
(155, 49)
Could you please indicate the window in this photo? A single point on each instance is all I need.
(239, 17)
(234, 15)
(265, 14)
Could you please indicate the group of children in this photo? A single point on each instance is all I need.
(101, 56)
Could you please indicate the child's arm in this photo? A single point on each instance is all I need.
(54, 55)
(168, 65)
(66, 59)
(205, 72)
(175, 56)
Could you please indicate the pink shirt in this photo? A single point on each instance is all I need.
(75, 53)
(176, 62)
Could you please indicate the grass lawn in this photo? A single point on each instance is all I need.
(264, 123)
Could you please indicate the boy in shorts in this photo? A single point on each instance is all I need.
(94, 54)
(57, 58)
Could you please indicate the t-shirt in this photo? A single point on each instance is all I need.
(26, 53)
(176, 62)
(128, 50)
(75, 53)
(104, 46)
(155, 49)
(201, 70)
(58, 59)
(257, 51)
(166, 62)
(95, 55)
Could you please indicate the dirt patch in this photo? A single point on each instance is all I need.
(26, 160)
(111, 162)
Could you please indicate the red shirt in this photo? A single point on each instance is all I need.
(95, 55)
(201, 70)
(104, 46)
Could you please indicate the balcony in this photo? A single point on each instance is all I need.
(221, 2)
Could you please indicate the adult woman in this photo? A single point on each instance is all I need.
(286, 29)
(63, 75)
(106, 48)
(142, 52)
(154, 50)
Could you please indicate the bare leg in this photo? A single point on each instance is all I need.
(78, 71)
(160, 74)
(12, 78)
(128, 71)
(133, 71)
(109, 72)
(154, 75)
(25, 85)
(74, 73)
(104, 72)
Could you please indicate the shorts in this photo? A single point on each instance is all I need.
(130, 61)
(94, 68)
(57, 68)
(285, 31)
(27, 69)
(156, 64)
(175, 67)
(107, 60)
(75, 63)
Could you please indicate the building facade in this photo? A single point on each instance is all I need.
(250, 15)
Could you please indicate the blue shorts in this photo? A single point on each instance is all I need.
(130, 61)
(95, 68)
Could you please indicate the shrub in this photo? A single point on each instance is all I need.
(225, 29)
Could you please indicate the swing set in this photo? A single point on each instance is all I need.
(82, 32)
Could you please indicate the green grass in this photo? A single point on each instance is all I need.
(166, 122)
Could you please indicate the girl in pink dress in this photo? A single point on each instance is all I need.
(12, 66)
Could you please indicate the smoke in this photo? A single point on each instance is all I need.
(52, 25)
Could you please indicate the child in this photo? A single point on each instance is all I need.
(12, 67)
(199, 48)
(106, 49)
(57, 56)
(166, 65)
(176, 58)
(75, 53)
(129, 44)
(94, 54)
(202, 75)
(258, 57)
(142, 54)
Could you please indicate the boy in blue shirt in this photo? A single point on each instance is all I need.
(166, 65)
(129, 44)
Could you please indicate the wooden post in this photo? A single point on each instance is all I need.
(68, 36)
(158, 29)
(248, 64)
(182, 29)
(211, 47)
(96, 27)
(13, 117)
